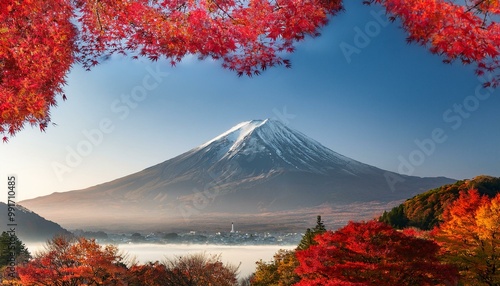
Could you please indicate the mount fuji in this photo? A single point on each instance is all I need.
(257, 167)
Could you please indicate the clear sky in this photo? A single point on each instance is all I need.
(358, 89)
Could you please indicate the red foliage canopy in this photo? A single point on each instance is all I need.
(372, 253)
(74, 262)
(41, 39)
(36, 51)
(466, 32)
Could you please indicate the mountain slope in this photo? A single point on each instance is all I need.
(424, 210)
(256, 166)
(30, 226)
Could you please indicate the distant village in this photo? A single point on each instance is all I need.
(232, 237)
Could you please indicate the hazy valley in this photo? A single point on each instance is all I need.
(260, 173)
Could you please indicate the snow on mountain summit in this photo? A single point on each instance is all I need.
(257, 166)
(237, 133)
(274, 144)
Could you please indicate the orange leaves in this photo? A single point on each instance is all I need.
(487, 6)
(471, 235)
(74, 262)
(488, 220)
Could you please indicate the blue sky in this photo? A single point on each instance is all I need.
(383, 104)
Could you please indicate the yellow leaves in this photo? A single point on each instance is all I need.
(488, 220)
(279, 272)
(459, 218)
(471, 235)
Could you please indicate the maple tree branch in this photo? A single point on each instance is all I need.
(475, 6)
(484, 20)
(224, 11)
(98, 16)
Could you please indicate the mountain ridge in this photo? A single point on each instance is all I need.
(30, 226)
(254, 167)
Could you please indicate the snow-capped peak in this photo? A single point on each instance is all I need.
(238, 133)
(278, 145)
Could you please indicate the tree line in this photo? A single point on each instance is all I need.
(464, 249)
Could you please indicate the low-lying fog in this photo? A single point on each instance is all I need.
(247, 255)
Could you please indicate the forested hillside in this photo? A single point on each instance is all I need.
(425, 210)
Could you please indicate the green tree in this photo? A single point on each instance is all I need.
(320, 226)
(396, 217)
(12, 249)
(13, 252)
(308, 238)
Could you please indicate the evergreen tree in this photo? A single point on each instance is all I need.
(308, 238)
(320, 226)
(10, 244)
(396, 217)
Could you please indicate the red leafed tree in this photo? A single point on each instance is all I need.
(372, 253)
(467, 32)
(74, 262)
(41, 39)
(196, 269)
(37, 48)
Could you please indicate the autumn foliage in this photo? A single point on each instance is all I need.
(468, 33)
(372, 253)
(471, 236)
(279, 272)
(463, 250)
(192, 270)
(79, 261)
(41, 39)
(425, 210)
(37, 49)
(74, 262)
